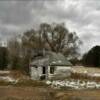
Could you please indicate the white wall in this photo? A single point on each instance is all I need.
(63, 70)
(60, 71)
(34, 73)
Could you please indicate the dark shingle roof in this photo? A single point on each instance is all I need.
(58, 59)
(53, 59)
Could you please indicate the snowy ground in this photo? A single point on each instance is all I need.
(79, 82)
(66, 83)
(74, 84)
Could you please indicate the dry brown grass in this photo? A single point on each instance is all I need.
(85, 77)
(84, 73)
(31, 83)
(16, 74)
(26, 93)
(37, 93)
(82, 69)
(78, 95)
(24, 83)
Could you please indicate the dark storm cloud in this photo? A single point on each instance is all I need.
(20, 15)
(81, 16)
(15, 13)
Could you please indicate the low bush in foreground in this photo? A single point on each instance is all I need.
(30, 83)
(86, 77)
(24, 83)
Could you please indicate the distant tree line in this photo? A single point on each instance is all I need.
(92, 58)
(3, 58)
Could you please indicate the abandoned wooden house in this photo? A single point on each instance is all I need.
(52, 66)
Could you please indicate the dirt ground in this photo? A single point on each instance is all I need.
(24, 93)
(79, 95)
(39, 93)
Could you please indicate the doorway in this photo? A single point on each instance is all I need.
(43, 77)
(43, 70)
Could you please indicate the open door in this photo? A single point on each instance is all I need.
(43, 77)
(43, 70)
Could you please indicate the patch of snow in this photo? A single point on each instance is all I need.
(97, 86)
(73, 84)
(8, 79)
(53, 62)
(4, 72)
(59, 61)
(96, 75)
(85, 72)
(48, 82)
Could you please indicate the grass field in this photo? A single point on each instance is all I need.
(24, 93)
(38, 90)
(82, 69)
(35, 93)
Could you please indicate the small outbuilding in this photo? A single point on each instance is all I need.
(55, 65)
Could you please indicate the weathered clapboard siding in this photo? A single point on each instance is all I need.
(41, 67)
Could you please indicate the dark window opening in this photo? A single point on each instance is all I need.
(44, 70)
(35, 66)
(52, 70)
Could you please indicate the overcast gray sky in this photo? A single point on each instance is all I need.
(81, 16)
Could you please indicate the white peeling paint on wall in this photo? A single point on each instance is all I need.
(63, 71)
(34, 73)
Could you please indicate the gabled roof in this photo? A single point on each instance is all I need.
(53, 59)
(58, 59)
(40, 61)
